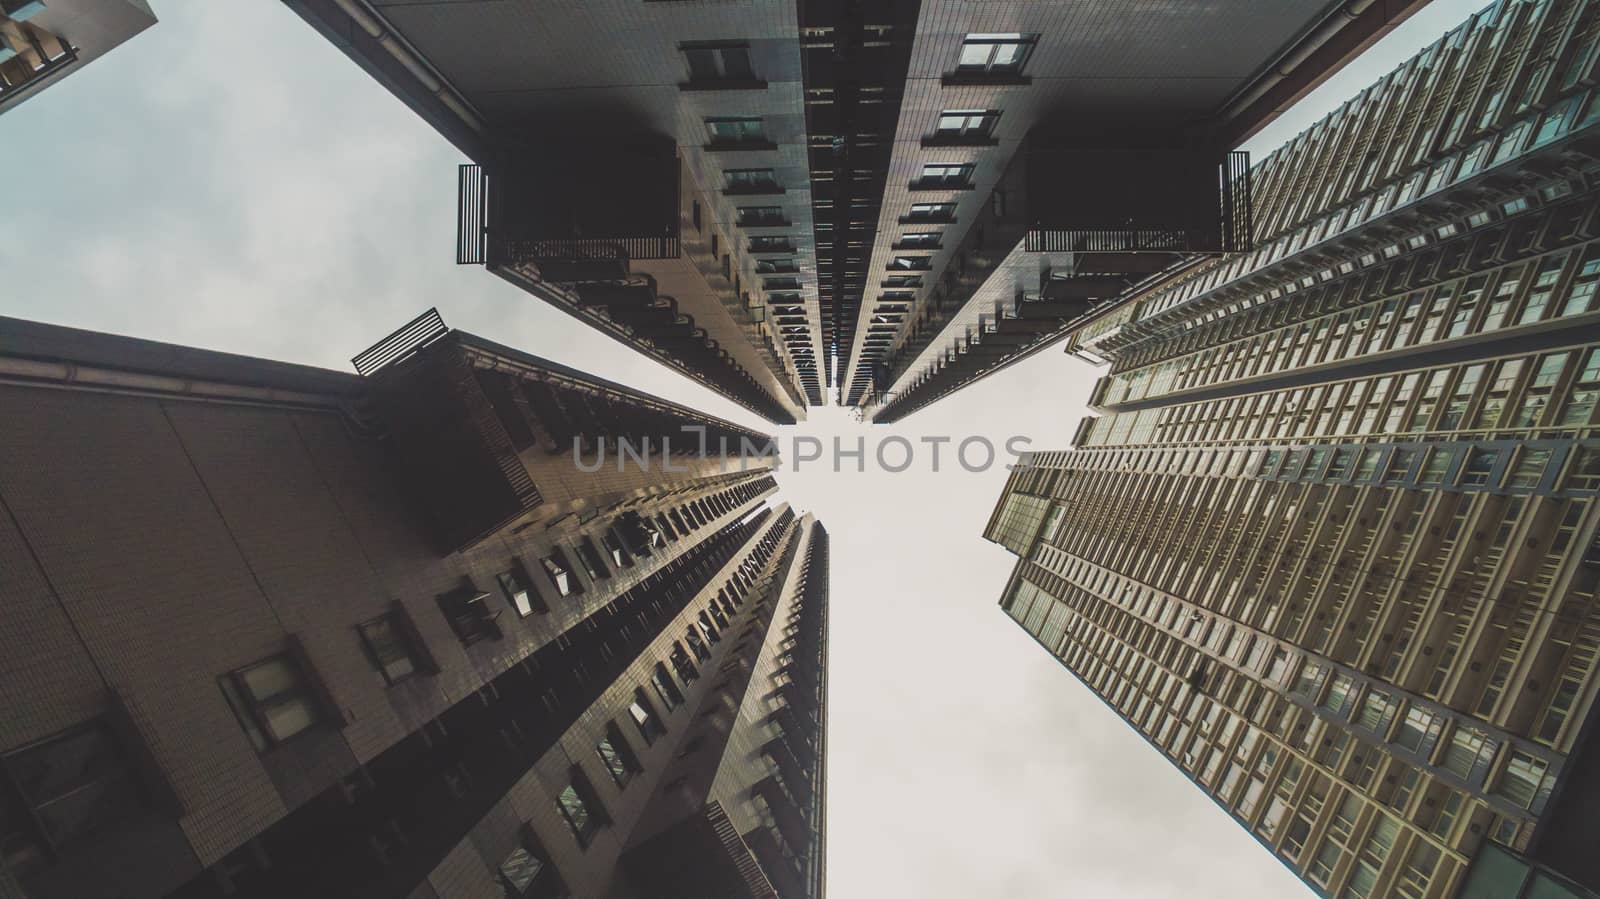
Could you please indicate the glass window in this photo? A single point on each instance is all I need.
(725, 62)
(272, 699)
(995, 54)
(581, 808)
(1419, 731)
(933, 212)
(967, 123)
(617, 755)
(387, 639)
(1527, 781)
(67, 786)
(520, 869)
(469, 617)
(589, 557)
(760, 216)
(751, 180)
(1468, 754)
(666, 690)
(943, 174)
(736, 130)
(645, 718)
(517, 587)
(560, 573)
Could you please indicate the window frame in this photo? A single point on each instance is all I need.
(252, 710)
(991, 67)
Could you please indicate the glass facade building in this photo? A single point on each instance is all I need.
(1329, 541)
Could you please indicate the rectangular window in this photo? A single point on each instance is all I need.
(967, 124)
(682, 664)
(751, 181)
(771, 245)
(617, 755)
(901, 281)
(521, 869)
(920, 240)
(945, 175)
(614, 548)
(388, 642)
(1468, 754)
(581, 808)
(273, 700)
(760, 216)
(736, 130)
(517, 587)
(711, 62)
(1527, 781)
(589, 557)
(666, 690)
(995, 54)
(644, 717)
(469, 615)
(64, 787)
(560, 573)
(1418, 732)
(932, 212)
(911, 263)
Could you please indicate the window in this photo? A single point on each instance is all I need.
(617, 755)
(273, 700)
(63, 787)
(945, 175)
(1468, 754)
(911, 263)
(519, 871)
(644, 717)
(720, 61)
(932, 212)
(517, 587)
(760, 216)
(581, 808)
(666, 690)
(697, 645)
(559, 570)
(1527, 781)
(684, 665)
(920, 240)
(994, 54)
(971, 124)
(589, 557)
(389, 644)
(752, 181)
(736, 130)
(614, 548)
(771, 245)
(902, 281)
(1377, 711)
(1418, 732)
(468, 615)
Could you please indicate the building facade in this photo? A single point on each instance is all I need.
(397, 634)
(43, 41)
(788, 199)
(1330, 541)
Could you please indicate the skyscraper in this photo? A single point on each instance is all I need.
(280, 631)
(1330, 543)
(42, 42)
(785, 198)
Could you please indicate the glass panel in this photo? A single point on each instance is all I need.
(520, 868)
(289, 717)
(270, 678)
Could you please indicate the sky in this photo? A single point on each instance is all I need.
(230, 180)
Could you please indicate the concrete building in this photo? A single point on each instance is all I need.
(788, 199)
(43, 41)
(280, 631)
(1330, 543)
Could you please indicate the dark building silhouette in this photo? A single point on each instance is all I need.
(784, 199)
(1330, 543)
(279, 631)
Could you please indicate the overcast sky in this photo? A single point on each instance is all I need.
(230, 180)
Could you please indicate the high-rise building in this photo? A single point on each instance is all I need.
(783, 199)
(280, 631)
(43, 41)
(1331, 542)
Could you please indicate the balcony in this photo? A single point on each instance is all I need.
(29, 54)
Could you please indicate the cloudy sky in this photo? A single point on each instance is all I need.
(231, 181)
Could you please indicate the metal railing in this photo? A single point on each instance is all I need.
(411, 337)
(472, 215)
